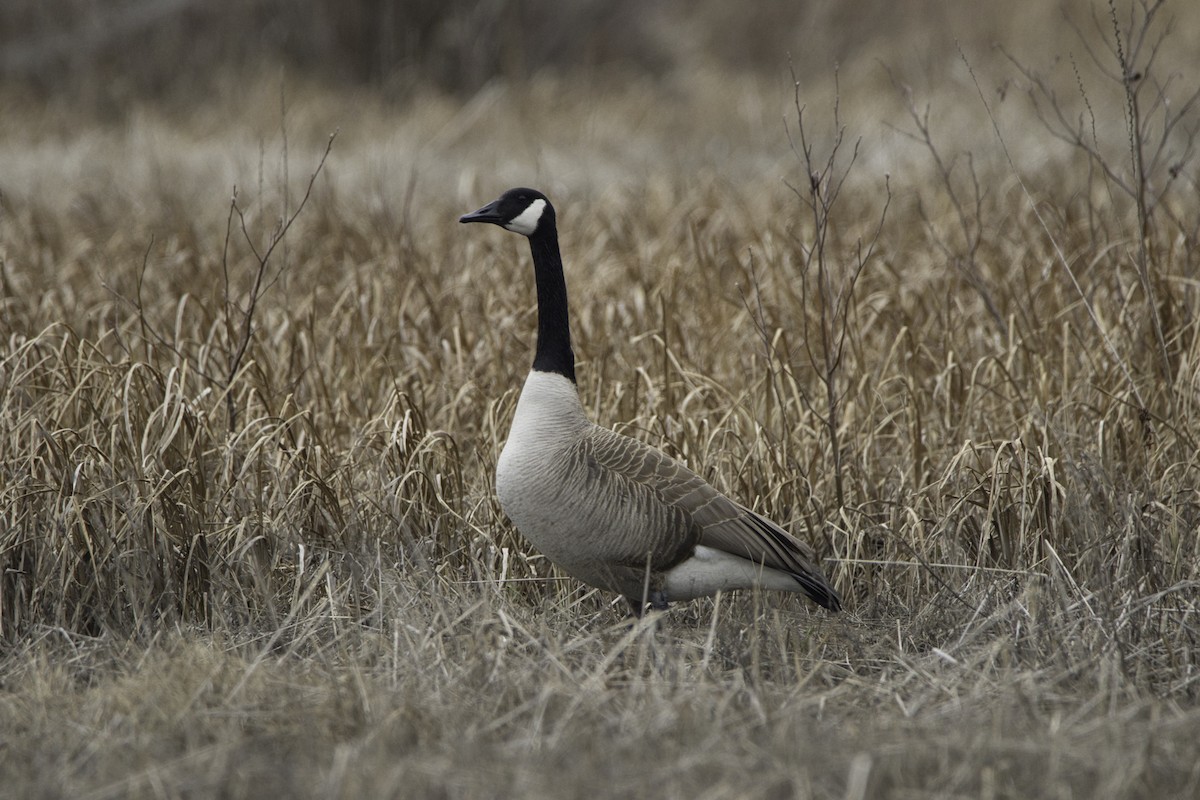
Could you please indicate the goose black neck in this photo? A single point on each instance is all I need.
(554, 352)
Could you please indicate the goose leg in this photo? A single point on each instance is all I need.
(657, 600)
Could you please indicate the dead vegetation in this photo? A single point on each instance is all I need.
(247, 531)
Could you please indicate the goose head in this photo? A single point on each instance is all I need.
(523, 211)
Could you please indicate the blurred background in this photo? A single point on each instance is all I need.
(141, 106)
(107, 53)
(601, 91)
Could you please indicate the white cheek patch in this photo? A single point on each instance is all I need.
(527, 221)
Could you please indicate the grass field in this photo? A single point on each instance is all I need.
(254, 382)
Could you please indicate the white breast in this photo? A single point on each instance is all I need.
(549, 419)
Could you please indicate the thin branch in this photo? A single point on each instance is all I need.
(1062, 259)
(257, 290)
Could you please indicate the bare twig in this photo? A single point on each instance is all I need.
(257, 288)
(833, 293)
(969, 218)
(1062, 258)
(1130, 77)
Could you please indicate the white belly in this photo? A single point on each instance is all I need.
(709, 571)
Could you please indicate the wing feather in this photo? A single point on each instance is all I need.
(696, 514)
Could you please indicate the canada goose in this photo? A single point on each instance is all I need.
(610, 510)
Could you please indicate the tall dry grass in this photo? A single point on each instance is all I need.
(288, 569)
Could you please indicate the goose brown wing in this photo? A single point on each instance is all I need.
(700, 514)
(637, 489)
(648, 497)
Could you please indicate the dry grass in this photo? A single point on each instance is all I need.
(318, 593)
